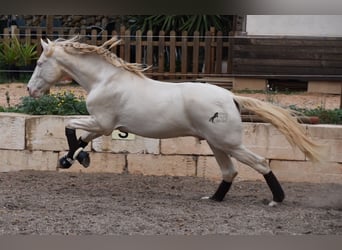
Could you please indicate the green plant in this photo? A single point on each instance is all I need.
(9, 53)
(28, 54)
(203, 23)
(180, 23)
(326, 116)
(14, 53)
(54, 104)
(16, 57)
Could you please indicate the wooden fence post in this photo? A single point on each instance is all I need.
(138, 53)
(93, 38)
(6, 35)
(104, 36)
(212, 49)
(122, 45)
(14, 31)
(49, 26)
(161, 59)
(115, 49)
(83, 35)
(195, 55)
(184, 62)
(230, 53)
(149, 59)
(172, 52)
(28, 36)
(39, 36)
(218, 61)
(127, 42)
(207, 51)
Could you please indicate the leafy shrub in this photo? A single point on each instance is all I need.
(28, 55)
(15, 57)
(326, 116)
(14, 53)
(9, 53)
(54, 104)
(179, 23)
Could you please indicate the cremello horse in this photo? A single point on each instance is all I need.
(121, 97)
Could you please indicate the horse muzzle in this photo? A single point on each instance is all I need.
(34, 92)
(31, 92)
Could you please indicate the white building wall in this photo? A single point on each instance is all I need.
(296, 25)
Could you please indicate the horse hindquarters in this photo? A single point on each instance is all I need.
(219, 122)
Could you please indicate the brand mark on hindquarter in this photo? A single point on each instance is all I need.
(218, 117)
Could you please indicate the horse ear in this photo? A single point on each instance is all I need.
(44, 44)
(48, 40)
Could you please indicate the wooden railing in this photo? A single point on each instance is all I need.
(213, 55)
(171, 56)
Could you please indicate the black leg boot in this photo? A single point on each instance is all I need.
(83, 157)
(274, 185)
(221, 191)
(67, 160)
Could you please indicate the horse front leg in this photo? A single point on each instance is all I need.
(76, 146)
(75, 152)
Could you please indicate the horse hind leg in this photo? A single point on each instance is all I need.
(258, 163)
(228, 174)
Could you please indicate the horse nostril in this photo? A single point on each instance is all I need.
(28, 89)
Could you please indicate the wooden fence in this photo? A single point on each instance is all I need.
(182, 56)
(171, 56)
(308, 58)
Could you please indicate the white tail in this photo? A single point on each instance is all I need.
(285, 121)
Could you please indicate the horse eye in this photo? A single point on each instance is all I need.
(39, 63)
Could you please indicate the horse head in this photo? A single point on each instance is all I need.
(46, 73)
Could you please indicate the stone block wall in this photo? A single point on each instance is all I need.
(37, 142)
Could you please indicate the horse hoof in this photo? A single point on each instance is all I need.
(273, 204)
(210, 198)
(205, 198)
(65, 162)
(213, 198)
(84, 159)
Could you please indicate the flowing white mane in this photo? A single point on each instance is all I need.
(72, 46)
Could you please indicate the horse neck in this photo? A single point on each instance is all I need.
(86, 69)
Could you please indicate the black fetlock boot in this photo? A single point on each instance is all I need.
(221, 191)
(81, 156)
(276, 189)
(65, 162)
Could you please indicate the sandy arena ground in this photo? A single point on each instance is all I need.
(52, 203)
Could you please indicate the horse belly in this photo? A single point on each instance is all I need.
(157, 123)
(157, 129)
(181, 110)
